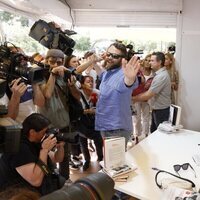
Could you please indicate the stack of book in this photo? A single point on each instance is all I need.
(114, 163)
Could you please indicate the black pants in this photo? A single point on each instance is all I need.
(64, 165)
(98, 141)
(159, 116)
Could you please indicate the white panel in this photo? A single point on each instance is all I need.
(137, 19)
(133, 5)
(189, 68)
(190, 82)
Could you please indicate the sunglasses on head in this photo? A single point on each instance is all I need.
(184, 167)
(113, 55)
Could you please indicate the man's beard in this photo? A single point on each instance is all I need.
(112, 66)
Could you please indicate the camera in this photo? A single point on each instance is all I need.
(65, 135)
(131, 52)
(14, 64)
(68, 74)
(10, 131)
(97, 186)
(51, 36)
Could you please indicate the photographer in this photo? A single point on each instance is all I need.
(32, 167)
(18, 89)
(56, 90)
(56, 109)
(20, 97)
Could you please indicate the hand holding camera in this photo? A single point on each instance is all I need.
(49, 142)
(18, 88)
(60, 71)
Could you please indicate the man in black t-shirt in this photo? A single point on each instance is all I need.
(32, 166)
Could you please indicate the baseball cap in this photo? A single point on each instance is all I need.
(56, 53)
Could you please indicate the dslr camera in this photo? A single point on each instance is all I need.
(64, 136)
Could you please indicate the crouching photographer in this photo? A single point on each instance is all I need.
(32, 166)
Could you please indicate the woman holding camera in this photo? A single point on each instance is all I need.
(32, 166)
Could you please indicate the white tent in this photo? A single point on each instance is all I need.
(181, 14)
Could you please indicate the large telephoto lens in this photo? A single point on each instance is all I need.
(97, 186)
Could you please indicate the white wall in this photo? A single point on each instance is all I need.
(189, 64)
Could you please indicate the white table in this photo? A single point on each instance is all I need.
(160, 150)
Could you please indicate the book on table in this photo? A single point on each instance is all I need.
(114, 163)
(175, 115)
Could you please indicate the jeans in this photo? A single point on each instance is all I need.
(159, 116)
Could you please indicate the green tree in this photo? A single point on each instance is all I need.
(83, 44)
(11, 18)
(28, 44)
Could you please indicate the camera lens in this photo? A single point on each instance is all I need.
(97, 186)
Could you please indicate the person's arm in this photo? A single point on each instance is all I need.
(130, 69)
(48, 88)
(18, 90)
(91, 60)
(143, 96)
(38, 97)
(73, 89)
(32, 172)
(58, 156)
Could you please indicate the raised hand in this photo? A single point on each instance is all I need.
(130, 69)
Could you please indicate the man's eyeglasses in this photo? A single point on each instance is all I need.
(53, 62)
(113, 55)
(184, 167)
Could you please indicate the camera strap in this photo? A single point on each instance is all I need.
(85, 101)
(44, 167)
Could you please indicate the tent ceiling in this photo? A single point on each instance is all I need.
(126, 13)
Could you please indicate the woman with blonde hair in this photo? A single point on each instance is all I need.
(170, 66)
(141, 116)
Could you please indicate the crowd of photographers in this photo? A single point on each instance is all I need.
(103, 92)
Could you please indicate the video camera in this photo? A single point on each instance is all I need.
(10, 131)
(97, 186)
(52, 37)
(131, 52)
(14, 64)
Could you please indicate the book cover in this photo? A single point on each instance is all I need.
(114, 152)
(175, 114)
